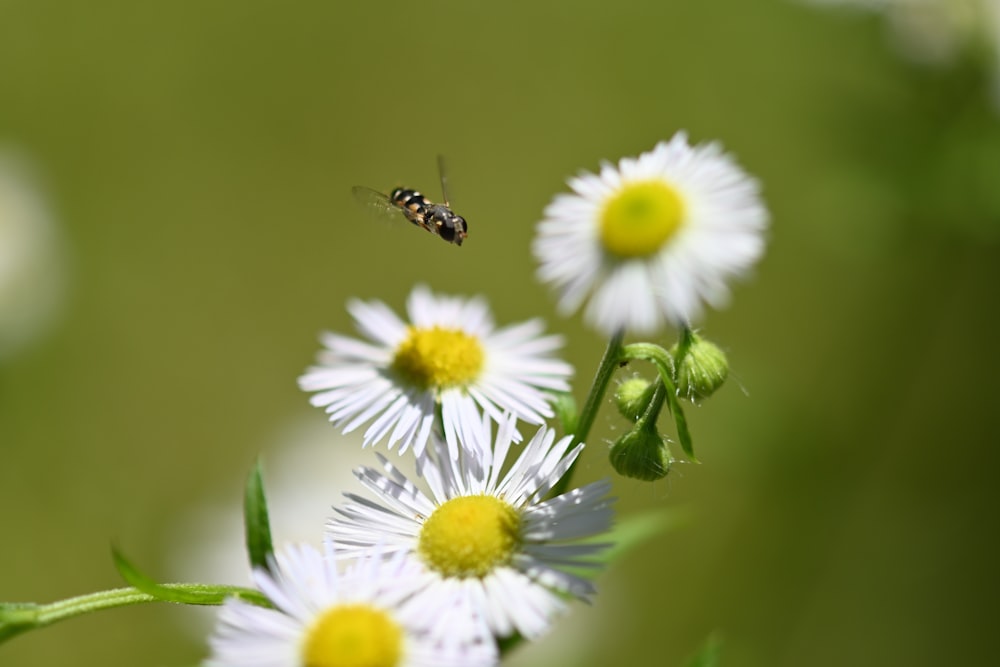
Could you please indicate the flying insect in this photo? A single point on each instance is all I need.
(438, 219)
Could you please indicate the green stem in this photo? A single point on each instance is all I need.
(683, 346)
(652, 412)
(18, 618)
(664, 364)
(609, 363)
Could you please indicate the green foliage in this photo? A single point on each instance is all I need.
(709, 655)
(664, 362)
(197, 594)
(566, 411)
(635, 530)
(256, 521)
(17, 617)
(627, 536)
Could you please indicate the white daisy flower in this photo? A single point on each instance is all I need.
(487, 542)
(652, 239)
(450, 360)
(365, 615)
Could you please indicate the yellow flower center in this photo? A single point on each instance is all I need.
(469, 536)
(438, 358)
(639, 219)
(353, 636)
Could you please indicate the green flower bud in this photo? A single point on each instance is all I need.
(632, 397)
(701, 367)
(641, 453)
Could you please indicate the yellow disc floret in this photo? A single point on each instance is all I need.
(469, 536)
(438, 358)
(353, 636)
(640, 217)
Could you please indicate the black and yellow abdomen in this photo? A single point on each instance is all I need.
(414, 204)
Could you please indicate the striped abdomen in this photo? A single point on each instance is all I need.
(414, 204)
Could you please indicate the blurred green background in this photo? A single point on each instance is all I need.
(198, 158)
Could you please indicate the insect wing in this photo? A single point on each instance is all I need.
(376, 203)
(444, 180)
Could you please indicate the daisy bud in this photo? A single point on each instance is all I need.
(701, 367)
(641, 453)
(632, 397)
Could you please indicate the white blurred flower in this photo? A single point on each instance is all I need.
(936, 31)
(306, 466)
(651, 240)
(31, 258)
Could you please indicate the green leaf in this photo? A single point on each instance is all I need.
(709, 655)
(566, 410)
(200, 594)
(680, 421)
(624, 538)
(627, 536)
(137, 579)
(255, 517)
(634, 531)
(507, 644)
(17, 617)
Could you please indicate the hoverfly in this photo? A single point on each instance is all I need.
(438, 219)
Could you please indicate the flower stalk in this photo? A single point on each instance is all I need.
(585, 420)
(21, 617)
